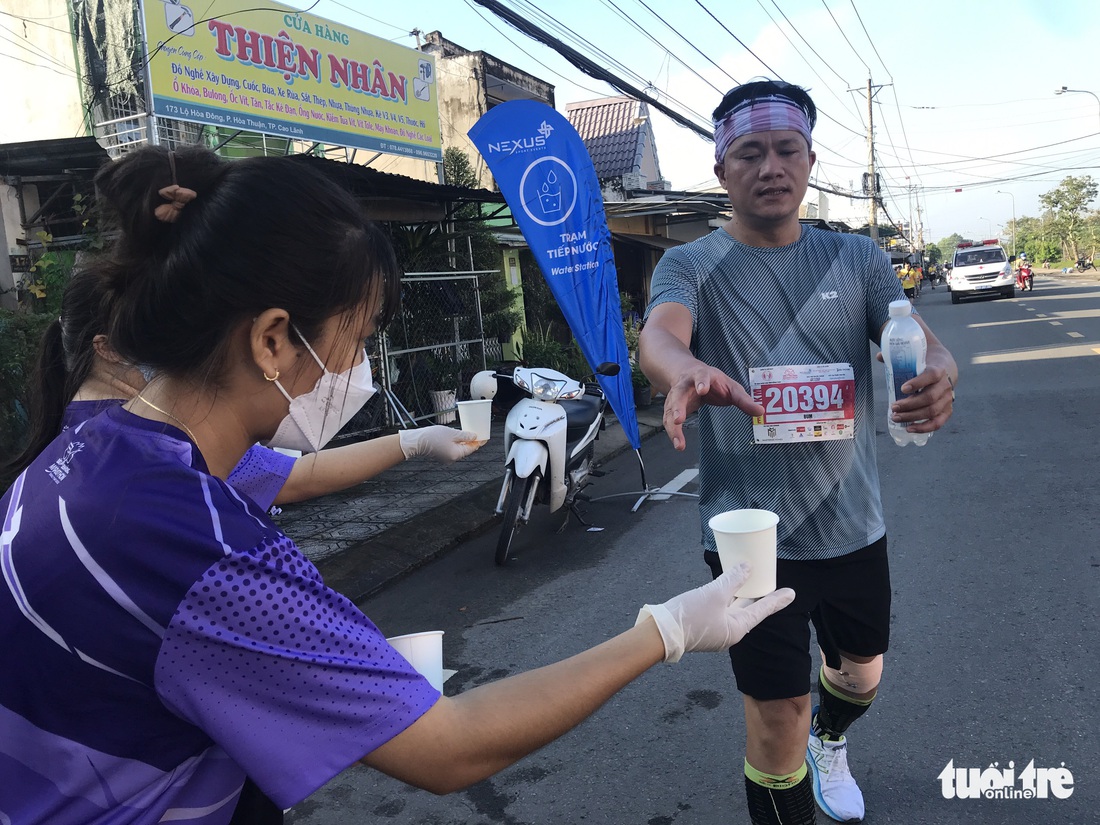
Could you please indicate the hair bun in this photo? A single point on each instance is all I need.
(143, 194)
(129, 190)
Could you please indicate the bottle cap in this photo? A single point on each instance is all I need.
(899, 309)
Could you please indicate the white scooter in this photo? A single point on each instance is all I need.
(549, 440)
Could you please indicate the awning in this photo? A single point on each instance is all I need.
(59, 156)
(652, 241)
(389, 197)
(821, 223)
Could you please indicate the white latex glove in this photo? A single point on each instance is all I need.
(444, 444)
(709, 618)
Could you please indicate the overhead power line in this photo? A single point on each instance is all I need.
(870, 40)
(528, 54)
(681, 36)
(744, 45)
(821, 112)
(539, 17)
(587, 66)
(590, 68)
(803, 39)
(798, 52)
(846, 40)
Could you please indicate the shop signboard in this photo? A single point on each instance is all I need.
(280, 72)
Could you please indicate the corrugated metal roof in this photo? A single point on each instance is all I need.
(654, 241)
(52, 157)
(367, 182)
(614, 131)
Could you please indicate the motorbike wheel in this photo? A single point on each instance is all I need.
(517, 494)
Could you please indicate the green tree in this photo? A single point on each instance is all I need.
(20, 332)
(474, 243)
(1034, 237)
(1092, 232)
(1068, 202)
(947, 245)
(547, 341)
(435, 311)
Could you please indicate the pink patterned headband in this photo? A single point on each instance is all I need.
(765, 114)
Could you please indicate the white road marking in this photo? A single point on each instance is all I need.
(677, 484)
(1075, 334)
(1044, 354)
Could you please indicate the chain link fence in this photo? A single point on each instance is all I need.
(431, 349)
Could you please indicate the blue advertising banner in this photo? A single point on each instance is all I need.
(545, 174)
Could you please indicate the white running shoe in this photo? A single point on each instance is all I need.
(835, 789)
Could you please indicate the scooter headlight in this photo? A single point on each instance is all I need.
(546, 389)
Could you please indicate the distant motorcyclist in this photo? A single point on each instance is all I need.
(1025, 278)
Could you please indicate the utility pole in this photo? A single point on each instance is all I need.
(871, 163)
(872, 186)
(909, 227)
(1002, 192)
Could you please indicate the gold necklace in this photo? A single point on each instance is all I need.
(149, 403)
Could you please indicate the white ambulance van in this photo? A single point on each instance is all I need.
(980, 268)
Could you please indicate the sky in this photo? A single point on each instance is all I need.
(964, 90)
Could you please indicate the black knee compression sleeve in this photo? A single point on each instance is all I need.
(836, 711)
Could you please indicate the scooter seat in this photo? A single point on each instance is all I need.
(579, 415)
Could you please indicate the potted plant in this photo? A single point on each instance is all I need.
(631, 330)
(643, 392)
(444, 379)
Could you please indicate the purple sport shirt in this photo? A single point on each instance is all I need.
(160, 640)
(260, 475)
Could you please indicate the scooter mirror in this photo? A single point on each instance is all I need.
(608, 368)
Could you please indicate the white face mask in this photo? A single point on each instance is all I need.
(316, 416)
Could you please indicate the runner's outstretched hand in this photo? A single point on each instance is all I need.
(702, 385)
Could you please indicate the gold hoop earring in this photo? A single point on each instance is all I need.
(275, 377)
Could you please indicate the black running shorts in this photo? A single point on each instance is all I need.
(846, 598)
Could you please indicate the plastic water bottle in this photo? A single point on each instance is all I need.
(903, 350)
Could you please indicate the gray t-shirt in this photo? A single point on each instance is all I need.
(820, 300)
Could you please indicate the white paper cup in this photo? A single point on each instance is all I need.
(476, 416)
(748, 535)
(424, 651)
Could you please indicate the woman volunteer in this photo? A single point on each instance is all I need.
(160, 638)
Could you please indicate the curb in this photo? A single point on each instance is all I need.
(367, 568)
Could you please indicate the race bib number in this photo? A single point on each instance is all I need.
(807, 402)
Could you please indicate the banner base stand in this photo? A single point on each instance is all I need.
(655, 493)
(647, 492)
